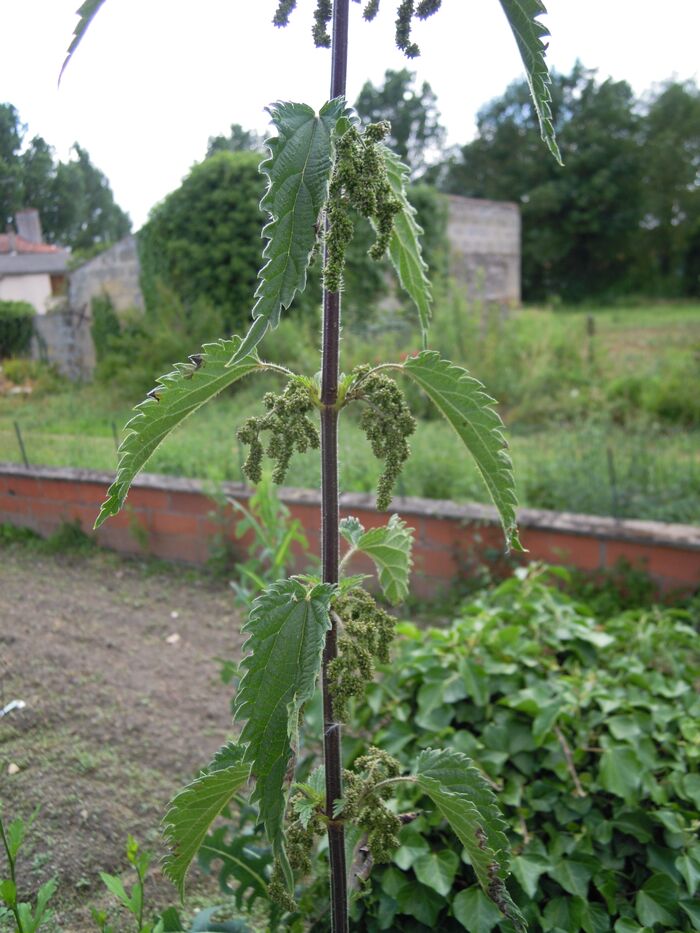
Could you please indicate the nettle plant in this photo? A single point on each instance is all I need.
(321, 167)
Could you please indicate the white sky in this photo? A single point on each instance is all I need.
(153, 79)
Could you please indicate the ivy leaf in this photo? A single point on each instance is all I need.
(298, 170)
(475, 911)
(405, 246)
(389, 546)
(465, 800)
(529, 33)
(287, 628)
(620, 771)
(176, 396)
(465, 404)
(193, 810)
(527, 869)
(87, 13)
(437, 870)
(657, 901)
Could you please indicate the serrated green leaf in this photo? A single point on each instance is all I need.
(475, 911)
(437, 870)
(405, 245)
(465, 404)
(529, 33)
(192, 811)
(86, 14)
(176, 396)
(287, 628)
(389, 547)
(467, 803)
(298, 170)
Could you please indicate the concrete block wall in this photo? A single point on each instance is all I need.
(172, 518)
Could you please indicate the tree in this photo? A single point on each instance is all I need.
(416, 133)
(74, 199)
(203, 240)
(238, 140)
(580, 226)
(11, 133)
(671, 146)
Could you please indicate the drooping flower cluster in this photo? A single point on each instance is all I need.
(290, 428)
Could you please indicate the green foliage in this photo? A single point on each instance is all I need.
(203, 240)
(589, 731)
(148, 343)
(105, 326)
(287, 628)
(191, 813)
(412, 113)
(389, 547)
(175, 396)
(274, 536)
(529, 33)
(16, 327)
(461, 399)
(26, 919)
(405, 246)
(74, 199)
(464, 799)
(298, 173)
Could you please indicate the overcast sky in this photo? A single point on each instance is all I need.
(153, 79)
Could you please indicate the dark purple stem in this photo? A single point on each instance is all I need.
(329, 524)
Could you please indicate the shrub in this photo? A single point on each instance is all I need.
(590, 732)
(203, 241)
(16, 327)
(105, 325)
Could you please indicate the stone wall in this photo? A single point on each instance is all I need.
(63, 338)
(114, 273)
(484, 239)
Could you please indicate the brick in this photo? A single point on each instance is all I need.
(72, 491)
(438, 565)
(15, 505)
(667, 564)
(189, 503)
(21, 485)
(145, 497)
(558, 548)
(169, 523)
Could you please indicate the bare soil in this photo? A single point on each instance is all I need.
(117, 718)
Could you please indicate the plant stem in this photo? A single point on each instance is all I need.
(329, 524)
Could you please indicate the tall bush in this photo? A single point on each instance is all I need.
(16, 327)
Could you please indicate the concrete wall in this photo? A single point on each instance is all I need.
(114, 273)
(173, 518)
(484, 241)
(36, 289)
(63, 338)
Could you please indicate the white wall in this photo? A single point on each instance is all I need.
(36, 289)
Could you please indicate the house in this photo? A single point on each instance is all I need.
(31, 270)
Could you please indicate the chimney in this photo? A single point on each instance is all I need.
(28, 225)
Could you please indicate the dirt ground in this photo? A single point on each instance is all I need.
(118, 717)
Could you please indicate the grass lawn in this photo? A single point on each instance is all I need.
(607, 424)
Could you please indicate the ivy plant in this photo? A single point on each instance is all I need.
(321, 166)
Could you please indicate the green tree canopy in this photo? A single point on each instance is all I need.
(238, 140)
(203, 240)
(623, 215)
(74, 198)
(416, 133)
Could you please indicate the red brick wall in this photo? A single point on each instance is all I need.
(172, 518)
